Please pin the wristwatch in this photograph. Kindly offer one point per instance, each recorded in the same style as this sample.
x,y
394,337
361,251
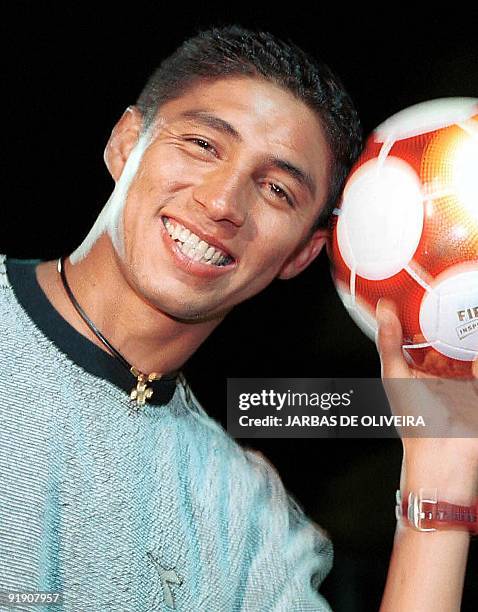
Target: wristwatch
x,y
425,512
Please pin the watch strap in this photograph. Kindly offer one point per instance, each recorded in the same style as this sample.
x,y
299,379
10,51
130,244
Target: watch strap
x,y
425,512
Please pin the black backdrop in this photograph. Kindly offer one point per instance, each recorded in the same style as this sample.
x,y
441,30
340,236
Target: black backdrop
x,y
69,72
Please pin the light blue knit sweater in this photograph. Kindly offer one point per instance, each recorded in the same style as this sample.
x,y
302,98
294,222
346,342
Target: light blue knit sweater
x,y
117,511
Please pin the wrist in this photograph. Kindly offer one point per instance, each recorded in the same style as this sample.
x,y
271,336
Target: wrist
x,y
449,464
437,464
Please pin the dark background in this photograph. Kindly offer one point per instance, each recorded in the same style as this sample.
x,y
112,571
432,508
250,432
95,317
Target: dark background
x,y
68,74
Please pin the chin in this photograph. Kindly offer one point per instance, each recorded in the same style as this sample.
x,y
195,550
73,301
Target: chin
x,y
184,310
174,298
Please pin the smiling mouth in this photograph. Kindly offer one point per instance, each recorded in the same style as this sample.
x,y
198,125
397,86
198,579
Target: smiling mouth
x,y
194,247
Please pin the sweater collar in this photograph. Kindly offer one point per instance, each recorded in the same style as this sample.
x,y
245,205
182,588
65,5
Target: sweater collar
x,y
83,352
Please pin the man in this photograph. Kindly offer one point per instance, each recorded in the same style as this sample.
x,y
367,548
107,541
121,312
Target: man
x,y
118,491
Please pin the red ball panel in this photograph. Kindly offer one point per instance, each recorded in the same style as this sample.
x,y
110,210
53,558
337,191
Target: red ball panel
x,y
449,237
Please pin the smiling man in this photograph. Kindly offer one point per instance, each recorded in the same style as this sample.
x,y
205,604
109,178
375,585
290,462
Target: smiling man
x,y
118,491
225,171
213,200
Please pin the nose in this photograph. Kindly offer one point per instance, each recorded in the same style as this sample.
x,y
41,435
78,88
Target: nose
x,y
222,193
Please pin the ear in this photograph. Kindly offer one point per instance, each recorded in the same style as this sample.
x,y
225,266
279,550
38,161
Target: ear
x,y
304,255
122,141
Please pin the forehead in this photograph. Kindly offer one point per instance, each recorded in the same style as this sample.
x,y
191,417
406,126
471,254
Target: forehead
x,y
267,118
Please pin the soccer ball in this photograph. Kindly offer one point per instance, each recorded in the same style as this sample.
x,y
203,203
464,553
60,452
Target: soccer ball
x,y
407,229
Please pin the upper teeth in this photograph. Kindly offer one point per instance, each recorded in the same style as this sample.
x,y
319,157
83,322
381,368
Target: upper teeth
x,y
195,248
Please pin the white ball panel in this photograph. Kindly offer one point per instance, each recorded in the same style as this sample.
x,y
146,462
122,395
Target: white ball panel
x,y
449,316
381,218
464,170
426,117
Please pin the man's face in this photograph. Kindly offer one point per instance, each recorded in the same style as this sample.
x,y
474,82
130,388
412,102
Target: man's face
x,y
224,197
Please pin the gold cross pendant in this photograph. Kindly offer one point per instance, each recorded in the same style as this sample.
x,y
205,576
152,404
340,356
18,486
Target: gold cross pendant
x,y
142,392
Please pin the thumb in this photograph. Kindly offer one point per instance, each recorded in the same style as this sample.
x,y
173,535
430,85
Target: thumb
x,y
389,341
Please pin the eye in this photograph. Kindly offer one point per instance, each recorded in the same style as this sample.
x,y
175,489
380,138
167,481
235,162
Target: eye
x,y
281,194
202,144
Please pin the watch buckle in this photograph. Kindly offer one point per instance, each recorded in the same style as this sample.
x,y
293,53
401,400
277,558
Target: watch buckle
x,y
416,514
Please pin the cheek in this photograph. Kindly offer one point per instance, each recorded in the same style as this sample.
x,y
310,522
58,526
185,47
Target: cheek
x,y
275,242
152,186
267,260
170,171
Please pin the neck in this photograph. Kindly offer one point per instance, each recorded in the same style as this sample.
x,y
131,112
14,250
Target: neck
x,y
146,337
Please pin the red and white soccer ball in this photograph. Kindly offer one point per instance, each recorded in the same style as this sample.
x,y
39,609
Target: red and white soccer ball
x,y
407,229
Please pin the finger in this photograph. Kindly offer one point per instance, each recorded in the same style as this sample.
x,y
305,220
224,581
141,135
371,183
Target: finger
x,y
389,341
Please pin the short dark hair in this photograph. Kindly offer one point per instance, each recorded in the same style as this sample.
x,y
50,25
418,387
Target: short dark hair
x,y
229,51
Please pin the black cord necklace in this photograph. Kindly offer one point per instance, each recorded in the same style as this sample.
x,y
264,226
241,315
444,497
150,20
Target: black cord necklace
x,y
141,392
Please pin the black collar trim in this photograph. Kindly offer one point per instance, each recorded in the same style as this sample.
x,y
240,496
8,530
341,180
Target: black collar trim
x,y
22,276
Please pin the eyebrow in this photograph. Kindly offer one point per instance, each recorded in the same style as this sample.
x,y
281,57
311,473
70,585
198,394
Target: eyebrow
x,y
212,121
272,161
